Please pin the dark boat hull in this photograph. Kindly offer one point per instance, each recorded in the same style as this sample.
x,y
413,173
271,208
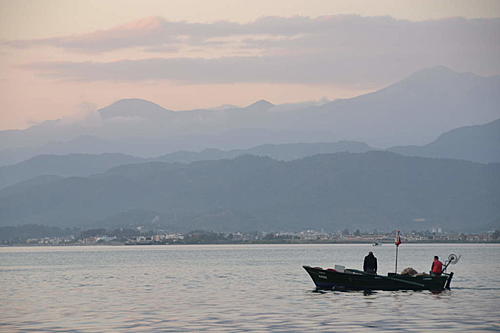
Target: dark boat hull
x,y
355,280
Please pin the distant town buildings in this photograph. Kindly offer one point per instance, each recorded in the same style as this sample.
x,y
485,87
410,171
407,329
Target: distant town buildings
x,y
140,237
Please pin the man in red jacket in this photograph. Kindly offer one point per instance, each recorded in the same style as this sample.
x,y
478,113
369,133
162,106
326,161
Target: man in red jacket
x,y
437,266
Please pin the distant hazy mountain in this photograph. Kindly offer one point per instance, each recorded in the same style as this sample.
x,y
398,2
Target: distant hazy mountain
x,y
418,108
62,165
413,111
479,143
261,105
284,152
333,191
88,164
134,107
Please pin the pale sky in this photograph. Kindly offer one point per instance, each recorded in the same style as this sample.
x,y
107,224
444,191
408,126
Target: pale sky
x,y
62,58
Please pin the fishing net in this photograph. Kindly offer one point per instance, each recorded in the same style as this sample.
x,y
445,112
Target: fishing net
x,y
409,271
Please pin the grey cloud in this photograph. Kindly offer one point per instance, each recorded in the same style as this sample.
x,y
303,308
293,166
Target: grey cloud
x,y
359,71
155,32
361,51
273,69
339,30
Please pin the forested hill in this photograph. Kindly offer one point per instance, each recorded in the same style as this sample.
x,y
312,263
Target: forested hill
x,y
331,191
480,143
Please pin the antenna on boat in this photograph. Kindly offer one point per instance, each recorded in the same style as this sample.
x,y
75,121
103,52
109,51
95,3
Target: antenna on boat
x,y
397,242
452,260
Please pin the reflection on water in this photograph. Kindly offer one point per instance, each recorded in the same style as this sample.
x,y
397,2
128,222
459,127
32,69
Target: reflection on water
x,y
236,288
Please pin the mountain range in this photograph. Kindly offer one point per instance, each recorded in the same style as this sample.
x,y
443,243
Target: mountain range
x,y
89,164
479,143
413,111
330,191
309,165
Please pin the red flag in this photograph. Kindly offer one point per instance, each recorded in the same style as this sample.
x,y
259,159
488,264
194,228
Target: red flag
x,y
398,239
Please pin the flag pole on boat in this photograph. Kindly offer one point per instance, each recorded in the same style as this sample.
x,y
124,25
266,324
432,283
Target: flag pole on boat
x,y
397,242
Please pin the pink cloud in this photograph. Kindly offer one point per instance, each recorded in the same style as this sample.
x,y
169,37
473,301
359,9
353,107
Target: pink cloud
x,y
147,31
343,49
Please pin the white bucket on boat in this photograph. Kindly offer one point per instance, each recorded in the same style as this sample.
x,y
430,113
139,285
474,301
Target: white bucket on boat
x,y
340,268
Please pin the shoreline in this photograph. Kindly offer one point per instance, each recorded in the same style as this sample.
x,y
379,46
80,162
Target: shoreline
x,y
248,243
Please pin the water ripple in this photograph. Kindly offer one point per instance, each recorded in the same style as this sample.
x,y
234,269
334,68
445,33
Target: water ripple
x,y
257,288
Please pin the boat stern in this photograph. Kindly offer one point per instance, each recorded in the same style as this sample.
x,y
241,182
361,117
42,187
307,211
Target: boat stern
x,y
448,281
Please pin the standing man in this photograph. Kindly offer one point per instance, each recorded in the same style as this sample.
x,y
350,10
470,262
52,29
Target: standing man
x,y
370,263
437,266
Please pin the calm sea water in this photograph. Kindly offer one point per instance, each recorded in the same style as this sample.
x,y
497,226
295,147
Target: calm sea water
x,y
236,288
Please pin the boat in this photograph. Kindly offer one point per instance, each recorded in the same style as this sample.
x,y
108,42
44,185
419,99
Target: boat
x,y
352,279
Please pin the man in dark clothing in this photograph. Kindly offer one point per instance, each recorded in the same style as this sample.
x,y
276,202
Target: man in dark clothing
x,y
370,263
